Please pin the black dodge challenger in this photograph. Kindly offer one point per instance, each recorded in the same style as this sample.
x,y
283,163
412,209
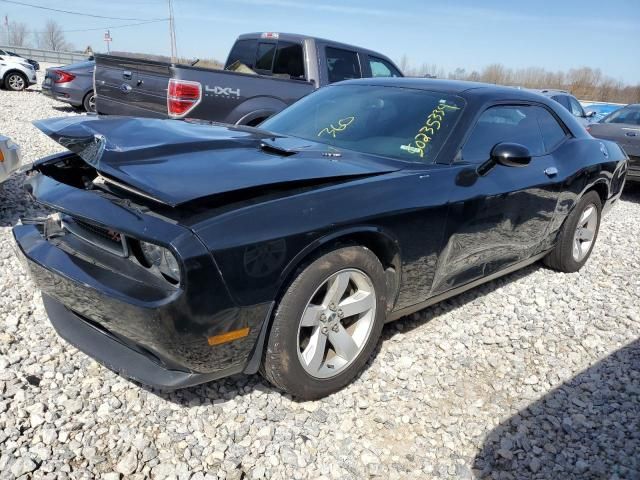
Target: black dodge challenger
x,y
183,252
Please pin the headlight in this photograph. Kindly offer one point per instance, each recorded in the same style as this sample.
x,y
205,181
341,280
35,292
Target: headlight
x,y
162,259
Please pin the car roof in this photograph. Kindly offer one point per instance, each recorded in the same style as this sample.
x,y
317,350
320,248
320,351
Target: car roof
x,y
549,92
452,87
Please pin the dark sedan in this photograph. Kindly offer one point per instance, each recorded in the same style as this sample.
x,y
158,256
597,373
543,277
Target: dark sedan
x,y
184,252
72,84
623,126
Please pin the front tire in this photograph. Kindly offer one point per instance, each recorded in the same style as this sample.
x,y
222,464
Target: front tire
x,y
578,235
16,82
327,324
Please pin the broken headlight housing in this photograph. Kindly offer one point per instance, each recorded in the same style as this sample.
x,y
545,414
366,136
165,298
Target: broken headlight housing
x,y
162,259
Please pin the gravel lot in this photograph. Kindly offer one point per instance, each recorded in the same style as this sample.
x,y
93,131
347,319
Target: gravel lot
x,y
534,375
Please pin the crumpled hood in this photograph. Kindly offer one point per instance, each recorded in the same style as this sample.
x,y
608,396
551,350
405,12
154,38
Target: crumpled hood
x,y
176,162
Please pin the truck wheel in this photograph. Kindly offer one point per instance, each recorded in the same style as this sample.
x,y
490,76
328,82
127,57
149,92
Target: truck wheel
x,y
15,82
89,102
327,324
578,235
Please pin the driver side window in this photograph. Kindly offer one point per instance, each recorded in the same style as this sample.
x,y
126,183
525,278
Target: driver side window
x,y
512,124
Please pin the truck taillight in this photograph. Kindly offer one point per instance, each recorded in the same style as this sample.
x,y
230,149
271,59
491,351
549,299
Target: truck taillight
x,y
182,97
63,77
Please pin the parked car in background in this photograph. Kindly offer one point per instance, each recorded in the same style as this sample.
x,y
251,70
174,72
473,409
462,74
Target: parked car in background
x,y
36,65
569,102
264,73
15,72
9,157
601,110
71,84
623,127
182,252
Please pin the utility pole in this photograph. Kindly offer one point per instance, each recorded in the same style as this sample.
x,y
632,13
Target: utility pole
x,y
172,33
6,24
108,40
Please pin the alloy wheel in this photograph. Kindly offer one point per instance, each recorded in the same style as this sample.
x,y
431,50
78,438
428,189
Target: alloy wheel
x,y
16,82
92,103
336,323
585,232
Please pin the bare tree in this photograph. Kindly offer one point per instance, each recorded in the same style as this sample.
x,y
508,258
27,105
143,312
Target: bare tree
x,y
52,38
18,34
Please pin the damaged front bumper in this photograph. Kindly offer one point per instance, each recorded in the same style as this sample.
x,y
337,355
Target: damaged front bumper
x,y
125,317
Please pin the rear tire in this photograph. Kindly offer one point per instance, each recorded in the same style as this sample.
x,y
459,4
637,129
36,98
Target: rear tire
x,y
89,102
15,81
327,324
578,235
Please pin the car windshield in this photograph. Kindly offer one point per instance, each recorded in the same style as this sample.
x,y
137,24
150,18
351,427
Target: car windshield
x,y
402,123
628,115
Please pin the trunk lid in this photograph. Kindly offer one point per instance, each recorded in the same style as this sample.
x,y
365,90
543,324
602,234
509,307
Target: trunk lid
x,y
175,162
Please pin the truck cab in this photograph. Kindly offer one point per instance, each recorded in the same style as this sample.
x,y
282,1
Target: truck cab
x,y
264,73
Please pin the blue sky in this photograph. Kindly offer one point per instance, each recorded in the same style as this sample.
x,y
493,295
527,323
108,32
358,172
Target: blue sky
x,y
559,34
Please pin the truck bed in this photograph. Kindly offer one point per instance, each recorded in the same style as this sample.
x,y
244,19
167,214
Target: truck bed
x,y
138,87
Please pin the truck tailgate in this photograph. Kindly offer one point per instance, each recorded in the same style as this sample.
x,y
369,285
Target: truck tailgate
x,y
131,86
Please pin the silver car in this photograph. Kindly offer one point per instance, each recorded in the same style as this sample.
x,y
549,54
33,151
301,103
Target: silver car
x,y
72,84
623,127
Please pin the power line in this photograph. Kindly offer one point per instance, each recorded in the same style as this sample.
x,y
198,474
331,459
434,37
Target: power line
x,y
23,4
101,28
111,28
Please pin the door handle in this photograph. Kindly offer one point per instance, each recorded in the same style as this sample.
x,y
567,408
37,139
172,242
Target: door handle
x,y
551,171
631,134
126,75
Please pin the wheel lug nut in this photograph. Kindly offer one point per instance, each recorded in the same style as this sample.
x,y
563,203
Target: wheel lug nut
x,y
323,318
335,328
340,313
325,330
332,307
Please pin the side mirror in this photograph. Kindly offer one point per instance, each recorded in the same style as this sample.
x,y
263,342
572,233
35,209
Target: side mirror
x,y
511,155
589,114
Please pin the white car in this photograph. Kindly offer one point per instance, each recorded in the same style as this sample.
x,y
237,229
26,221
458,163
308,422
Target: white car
x,y
15,72
9,157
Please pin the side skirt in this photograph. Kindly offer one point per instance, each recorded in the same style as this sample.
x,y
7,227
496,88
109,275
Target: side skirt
x,y
455,291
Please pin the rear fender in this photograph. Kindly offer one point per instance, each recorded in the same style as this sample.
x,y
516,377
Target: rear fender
x,y
255,108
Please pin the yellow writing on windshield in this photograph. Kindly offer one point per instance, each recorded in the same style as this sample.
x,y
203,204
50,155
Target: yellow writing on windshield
x,y
431,125
343,123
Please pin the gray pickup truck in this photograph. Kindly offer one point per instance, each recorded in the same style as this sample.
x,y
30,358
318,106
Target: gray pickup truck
x,y
265,72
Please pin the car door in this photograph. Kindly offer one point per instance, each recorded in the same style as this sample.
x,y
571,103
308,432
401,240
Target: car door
x,y
500,216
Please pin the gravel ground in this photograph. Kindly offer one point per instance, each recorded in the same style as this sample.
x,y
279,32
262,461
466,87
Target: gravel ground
x,y
533,375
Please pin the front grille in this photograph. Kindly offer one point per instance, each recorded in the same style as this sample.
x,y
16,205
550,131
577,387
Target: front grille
x,y
96,235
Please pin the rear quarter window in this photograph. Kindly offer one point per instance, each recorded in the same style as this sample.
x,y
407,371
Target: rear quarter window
x,y
552,132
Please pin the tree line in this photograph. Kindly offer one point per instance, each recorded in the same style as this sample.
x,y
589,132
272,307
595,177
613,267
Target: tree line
x,y
51,37
585,83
